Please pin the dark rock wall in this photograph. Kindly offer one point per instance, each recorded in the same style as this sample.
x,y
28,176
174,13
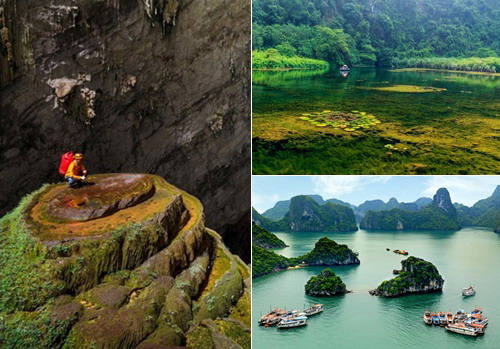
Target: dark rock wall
x,y
159,86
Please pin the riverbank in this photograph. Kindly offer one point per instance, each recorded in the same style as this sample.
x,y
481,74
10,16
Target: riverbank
x,y
486,65
272,59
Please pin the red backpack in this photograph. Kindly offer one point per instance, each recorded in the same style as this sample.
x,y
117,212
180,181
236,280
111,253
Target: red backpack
x,y
66,159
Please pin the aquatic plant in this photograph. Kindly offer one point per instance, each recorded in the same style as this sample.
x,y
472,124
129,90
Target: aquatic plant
x,y
403,88
349,122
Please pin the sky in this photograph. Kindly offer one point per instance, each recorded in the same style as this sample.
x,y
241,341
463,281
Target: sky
x,y
467,190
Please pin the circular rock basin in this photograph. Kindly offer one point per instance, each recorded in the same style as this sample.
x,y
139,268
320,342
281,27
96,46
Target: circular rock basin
x,y
106,203
100,198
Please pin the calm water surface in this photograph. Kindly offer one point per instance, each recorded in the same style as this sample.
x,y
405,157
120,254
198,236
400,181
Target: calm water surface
x,y
302,91
358,320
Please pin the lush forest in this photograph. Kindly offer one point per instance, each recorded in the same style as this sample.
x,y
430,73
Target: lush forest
x,y
383,32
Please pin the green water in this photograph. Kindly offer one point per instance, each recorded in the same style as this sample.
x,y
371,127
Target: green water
x,y
359,320
287,94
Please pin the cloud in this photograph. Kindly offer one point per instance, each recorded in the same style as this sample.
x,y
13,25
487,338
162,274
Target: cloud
x,y
466,190
334,186
263,202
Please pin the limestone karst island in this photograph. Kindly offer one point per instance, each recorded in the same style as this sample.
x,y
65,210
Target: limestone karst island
x,y
125,261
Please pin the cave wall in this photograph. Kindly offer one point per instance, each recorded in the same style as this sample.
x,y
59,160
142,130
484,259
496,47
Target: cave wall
x,y
157,86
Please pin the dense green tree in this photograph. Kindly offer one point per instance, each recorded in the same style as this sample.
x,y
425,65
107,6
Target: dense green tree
x,y
381,32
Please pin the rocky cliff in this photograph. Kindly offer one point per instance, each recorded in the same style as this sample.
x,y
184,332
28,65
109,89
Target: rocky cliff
x,y
485,212
306,215
438,215
123,262
416,276
329,252
158,86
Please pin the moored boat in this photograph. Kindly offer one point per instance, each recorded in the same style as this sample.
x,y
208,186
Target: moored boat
x,y
442,319
292,322
449,317
469,291
427,318
464,329
272,318
313,310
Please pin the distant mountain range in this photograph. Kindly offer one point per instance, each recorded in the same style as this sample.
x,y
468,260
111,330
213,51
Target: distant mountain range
x,y
279,210
313,213
440,214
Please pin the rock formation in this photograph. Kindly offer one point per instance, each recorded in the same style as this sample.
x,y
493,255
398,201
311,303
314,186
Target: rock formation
x,y
438,215
485,212
265,239
416,276
329,252
123,262
326,284
326,252
158,86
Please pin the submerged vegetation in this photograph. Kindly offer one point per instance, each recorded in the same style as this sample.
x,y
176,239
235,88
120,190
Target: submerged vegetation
x,y
346,121
273,59
404,88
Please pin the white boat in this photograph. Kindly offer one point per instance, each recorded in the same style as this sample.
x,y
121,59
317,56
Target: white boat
x,y
469,291
293,322
427,318
315,309
464,329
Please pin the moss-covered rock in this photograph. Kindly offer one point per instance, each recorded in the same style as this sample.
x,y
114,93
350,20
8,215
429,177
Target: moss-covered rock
x,y
141,275
416,276
326,284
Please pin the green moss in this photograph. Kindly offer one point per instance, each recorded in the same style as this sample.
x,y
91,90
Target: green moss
x,y
235,331
26,280
200,338
352,121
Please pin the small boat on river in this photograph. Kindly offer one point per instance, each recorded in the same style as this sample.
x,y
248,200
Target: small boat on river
x,y
469,291
344,68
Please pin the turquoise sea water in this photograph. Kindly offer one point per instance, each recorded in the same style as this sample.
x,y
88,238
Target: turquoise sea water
x,y
359,320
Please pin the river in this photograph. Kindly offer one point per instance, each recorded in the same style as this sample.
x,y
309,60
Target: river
x,y
356,320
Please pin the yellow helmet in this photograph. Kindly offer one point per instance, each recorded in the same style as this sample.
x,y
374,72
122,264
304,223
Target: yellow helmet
x,y
78,156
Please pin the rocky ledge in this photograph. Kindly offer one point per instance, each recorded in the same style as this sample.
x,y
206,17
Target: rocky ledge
x,y
416,276
326,284
123,262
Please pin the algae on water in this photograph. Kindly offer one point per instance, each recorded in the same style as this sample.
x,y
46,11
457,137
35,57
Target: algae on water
x,y
347,121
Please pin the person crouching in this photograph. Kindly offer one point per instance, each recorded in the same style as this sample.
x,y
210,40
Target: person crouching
x,y
76,172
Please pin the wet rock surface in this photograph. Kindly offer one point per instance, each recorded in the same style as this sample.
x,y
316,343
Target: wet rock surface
x,y
157,86
99,198
117,283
